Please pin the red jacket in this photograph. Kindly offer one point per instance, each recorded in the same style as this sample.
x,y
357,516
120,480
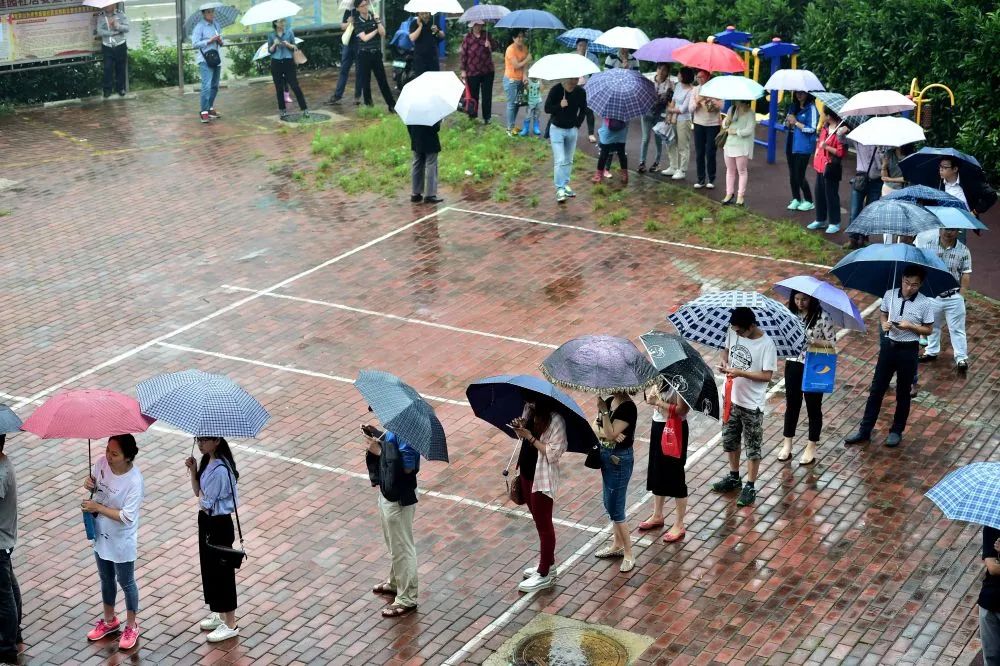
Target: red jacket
x,y
822,158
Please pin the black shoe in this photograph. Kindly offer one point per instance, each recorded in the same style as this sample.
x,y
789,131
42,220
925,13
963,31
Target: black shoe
x,y
121,93
927,358
893,440
416,198
857,438
962,367
357,101
333,101
433,200
727,484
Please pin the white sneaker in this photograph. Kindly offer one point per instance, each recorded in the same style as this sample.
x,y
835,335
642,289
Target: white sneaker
x,y
679,175
536,582
667,172
710,185
532,571
211,622
223,633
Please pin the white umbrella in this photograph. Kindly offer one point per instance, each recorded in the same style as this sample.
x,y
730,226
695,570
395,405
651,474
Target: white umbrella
x,y
793,80
271,10
100,4
429,98
876,103
263,52
623,38
562,66
433,6
887,131
732,88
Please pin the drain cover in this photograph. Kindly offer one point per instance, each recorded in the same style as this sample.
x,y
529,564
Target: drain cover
x,y
570,647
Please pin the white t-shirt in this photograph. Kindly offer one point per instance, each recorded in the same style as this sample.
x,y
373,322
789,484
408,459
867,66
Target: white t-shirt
x,y
758,355
117,541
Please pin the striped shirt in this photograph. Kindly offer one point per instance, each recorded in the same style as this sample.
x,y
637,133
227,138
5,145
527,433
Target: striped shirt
x,y
916,310
957,258
547,468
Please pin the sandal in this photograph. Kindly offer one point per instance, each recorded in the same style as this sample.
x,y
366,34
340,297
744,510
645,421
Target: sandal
x,y
610,552
807,463
785,458
397,610
650,525
627,565
384,588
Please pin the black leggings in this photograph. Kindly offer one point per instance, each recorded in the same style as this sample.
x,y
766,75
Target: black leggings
x,y
793,402
604,160
283,73
797,176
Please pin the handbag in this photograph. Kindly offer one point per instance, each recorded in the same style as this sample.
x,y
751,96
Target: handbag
x,y
667,131
819,373
469,104
224,555
212,57
345,39
860,182
727,400
720,139
514,492
670,441
593,459
299,57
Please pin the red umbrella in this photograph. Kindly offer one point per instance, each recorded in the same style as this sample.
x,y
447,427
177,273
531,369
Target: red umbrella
x,y
708,56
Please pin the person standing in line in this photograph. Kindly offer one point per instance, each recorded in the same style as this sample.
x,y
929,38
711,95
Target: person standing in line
x,y
949,306
583,49
532,108
803,122
891,173
868,176
348,55
749,360
665,475
707,120
829,165
425,36
906,314
116,499
214,482
478,70
566,105
516,60
989,598
664,91
621,59
615,429
679,113
10,591
369,29
738,151
281,44
613,135
425,145
112,26
206,39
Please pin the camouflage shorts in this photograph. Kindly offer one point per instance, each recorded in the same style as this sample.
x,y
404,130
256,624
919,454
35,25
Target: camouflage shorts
x,y
745,423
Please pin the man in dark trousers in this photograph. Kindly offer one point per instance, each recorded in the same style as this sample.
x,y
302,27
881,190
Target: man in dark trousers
x,y
906,315
10,592
348,54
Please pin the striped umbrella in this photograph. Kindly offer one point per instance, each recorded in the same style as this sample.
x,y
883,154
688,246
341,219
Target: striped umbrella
x,y
202,404
926,196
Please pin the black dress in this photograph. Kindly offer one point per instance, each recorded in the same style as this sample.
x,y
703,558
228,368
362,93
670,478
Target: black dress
x,y
665,475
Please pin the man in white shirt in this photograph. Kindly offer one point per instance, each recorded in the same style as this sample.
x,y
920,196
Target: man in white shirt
x,y
749,359
949,306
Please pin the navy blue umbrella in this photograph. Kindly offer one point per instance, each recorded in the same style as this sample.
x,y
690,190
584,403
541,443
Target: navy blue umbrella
x,y
530,19
9,421
500,399
400,409
922,166
621,94
878,268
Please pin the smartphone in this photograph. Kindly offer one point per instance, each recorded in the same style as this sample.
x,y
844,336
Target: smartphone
x,y
368,431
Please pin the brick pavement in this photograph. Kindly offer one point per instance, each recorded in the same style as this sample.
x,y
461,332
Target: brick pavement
x,y
117,244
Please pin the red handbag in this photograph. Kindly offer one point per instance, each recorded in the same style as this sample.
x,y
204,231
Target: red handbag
x,y
469,104
727,400
671,440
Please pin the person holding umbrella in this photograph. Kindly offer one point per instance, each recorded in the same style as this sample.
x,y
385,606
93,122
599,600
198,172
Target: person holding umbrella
x,y
739,129
707,120
369,29
615,428
425,36
112,26
281,45
516,59
566,105
679,114
583,48
802,121
425,145
206,39
10,591
665,475
476,60
664,91
828,163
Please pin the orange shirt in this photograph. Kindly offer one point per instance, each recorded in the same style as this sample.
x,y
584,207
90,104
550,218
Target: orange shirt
x,y
513,53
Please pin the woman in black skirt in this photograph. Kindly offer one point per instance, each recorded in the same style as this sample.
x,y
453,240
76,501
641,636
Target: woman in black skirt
x,y
665,476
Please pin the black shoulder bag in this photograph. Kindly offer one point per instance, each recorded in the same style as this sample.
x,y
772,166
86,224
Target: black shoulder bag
x,y
224,555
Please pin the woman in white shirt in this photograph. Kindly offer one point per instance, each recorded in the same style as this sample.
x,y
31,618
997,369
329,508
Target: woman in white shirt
x,y
665,474
739,128
116,497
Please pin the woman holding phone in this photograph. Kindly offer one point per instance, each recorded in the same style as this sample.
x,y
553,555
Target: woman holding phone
x,y
615,428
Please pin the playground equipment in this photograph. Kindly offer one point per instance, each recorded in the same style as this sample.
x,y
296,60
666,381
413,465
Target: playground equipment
x,y
922,115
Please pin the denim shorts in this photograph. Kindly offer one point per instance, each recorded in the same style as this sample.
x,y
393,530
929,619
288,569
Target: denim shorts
x,y
615,479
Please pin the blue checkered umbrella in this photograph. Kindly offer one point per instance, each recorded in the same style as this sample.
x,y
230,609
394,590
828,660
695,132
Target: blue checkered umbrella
x,y
900,218
925,196
622,94
570,37
225,15
706,320
202,404
401,410
9,421
970,493
601,364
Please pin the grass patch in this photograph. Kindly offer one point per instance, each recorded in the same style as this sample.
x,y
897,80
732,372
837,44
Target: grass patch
x,y
533,201
652,226
615,217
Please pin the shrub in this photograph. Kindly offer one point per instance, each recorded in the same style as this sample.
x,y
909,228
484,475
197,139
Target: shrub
x,y
154,65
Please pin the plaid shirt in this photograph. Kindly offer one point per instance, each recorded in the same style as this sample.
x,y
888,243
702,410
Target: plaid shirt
x,y
916,310
958,259
547,467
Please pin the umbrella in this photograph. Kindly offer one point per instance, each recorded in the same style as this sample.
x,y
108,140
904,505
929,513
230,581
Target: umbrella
x,y
877,268
500,399
660,50
706,320
562,66
732,88
100,4
922,166
887,131
684,369
401,409
9,421
833,301
483,13
794,80
263,52
900,218
956,218
225,15
710,57
970,493
571,36
621,37
530,19
433,6
601,364
835,102
622,94
270,10
876,103
429,98
926,196
202,404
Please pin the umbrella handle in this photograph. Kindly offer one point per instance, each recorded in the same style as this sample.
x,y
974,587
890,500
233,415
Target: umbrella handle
x,y
513,453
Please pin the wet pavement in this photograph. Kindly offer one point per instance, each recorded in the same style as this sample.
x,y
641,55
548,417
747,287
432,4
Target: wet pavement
x,y
138,241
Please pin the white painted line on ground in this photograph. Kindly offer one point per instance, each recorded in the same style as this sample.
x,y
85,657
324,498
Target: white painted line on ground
x,y
408,320
20,399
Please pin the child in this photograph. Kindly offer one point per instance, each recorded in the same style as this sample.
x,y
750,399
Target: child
x,y
533,107
426,145
612,135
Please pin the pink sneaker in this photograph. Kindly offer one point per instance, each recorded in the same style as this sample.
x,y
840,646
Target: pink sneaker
x,y
102,629
129,637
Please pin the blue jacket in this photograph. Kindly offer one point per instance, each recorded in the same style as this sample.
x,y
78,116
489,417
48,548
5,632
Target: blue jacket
x,y
804,140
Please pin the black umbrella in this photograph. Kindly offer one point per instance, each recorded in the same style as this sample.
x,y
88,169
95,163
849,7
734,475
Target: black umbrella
x,y
684,369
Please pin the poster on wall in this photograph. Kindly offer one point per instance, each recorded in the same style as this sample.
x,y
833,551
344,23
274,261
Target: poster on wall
x,y
39,30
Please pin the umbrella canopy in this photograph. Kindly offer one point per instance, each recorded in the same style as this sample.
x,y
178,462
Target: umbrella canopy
x,y
401,409
622,94
202,404
706,320
684,369
887,131
531,19
562,66
621,37
87,414
926,196
922,166
877,268
100,4
833,301
601,364
433,6
900,218
732,88
877,103
794,80
835,102
484,13
270,10
710,57
660,50
500,399
9,421
956,218
571,36
429,98
225,15
970,493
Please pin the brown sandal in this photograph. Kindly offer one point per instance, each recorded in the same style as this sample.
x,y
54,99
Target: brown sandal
x,y
384,588
397,610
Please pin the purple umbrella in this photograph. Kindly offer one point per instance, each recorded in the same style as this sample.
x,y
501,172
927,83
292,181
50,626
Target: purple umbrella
x,y
601,364
660,50
622,94
835,302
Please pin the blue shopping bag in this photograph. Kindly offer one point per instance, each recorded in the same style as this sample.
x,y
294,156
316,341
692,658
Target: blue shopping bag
x,y
820,372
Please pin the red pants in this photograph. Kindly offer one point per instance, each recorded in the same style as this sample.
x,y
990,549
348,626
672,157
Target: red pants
x,y
540,506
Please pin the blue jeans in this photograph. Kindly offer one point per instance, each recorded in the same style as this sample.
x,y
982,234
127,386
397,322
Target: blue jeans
x,y
647,129
347,57
209,85
510,89
10,609
563,149
615,479
125,573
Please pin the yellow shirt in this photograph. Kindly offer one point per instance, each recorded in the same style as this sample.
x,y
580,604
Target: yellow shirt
x,y
514,53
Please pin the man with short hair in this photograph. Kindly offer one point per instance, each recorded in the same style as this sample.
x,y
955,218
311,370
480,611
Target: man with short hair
x,y
749,359
906,314
10,592
950,305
